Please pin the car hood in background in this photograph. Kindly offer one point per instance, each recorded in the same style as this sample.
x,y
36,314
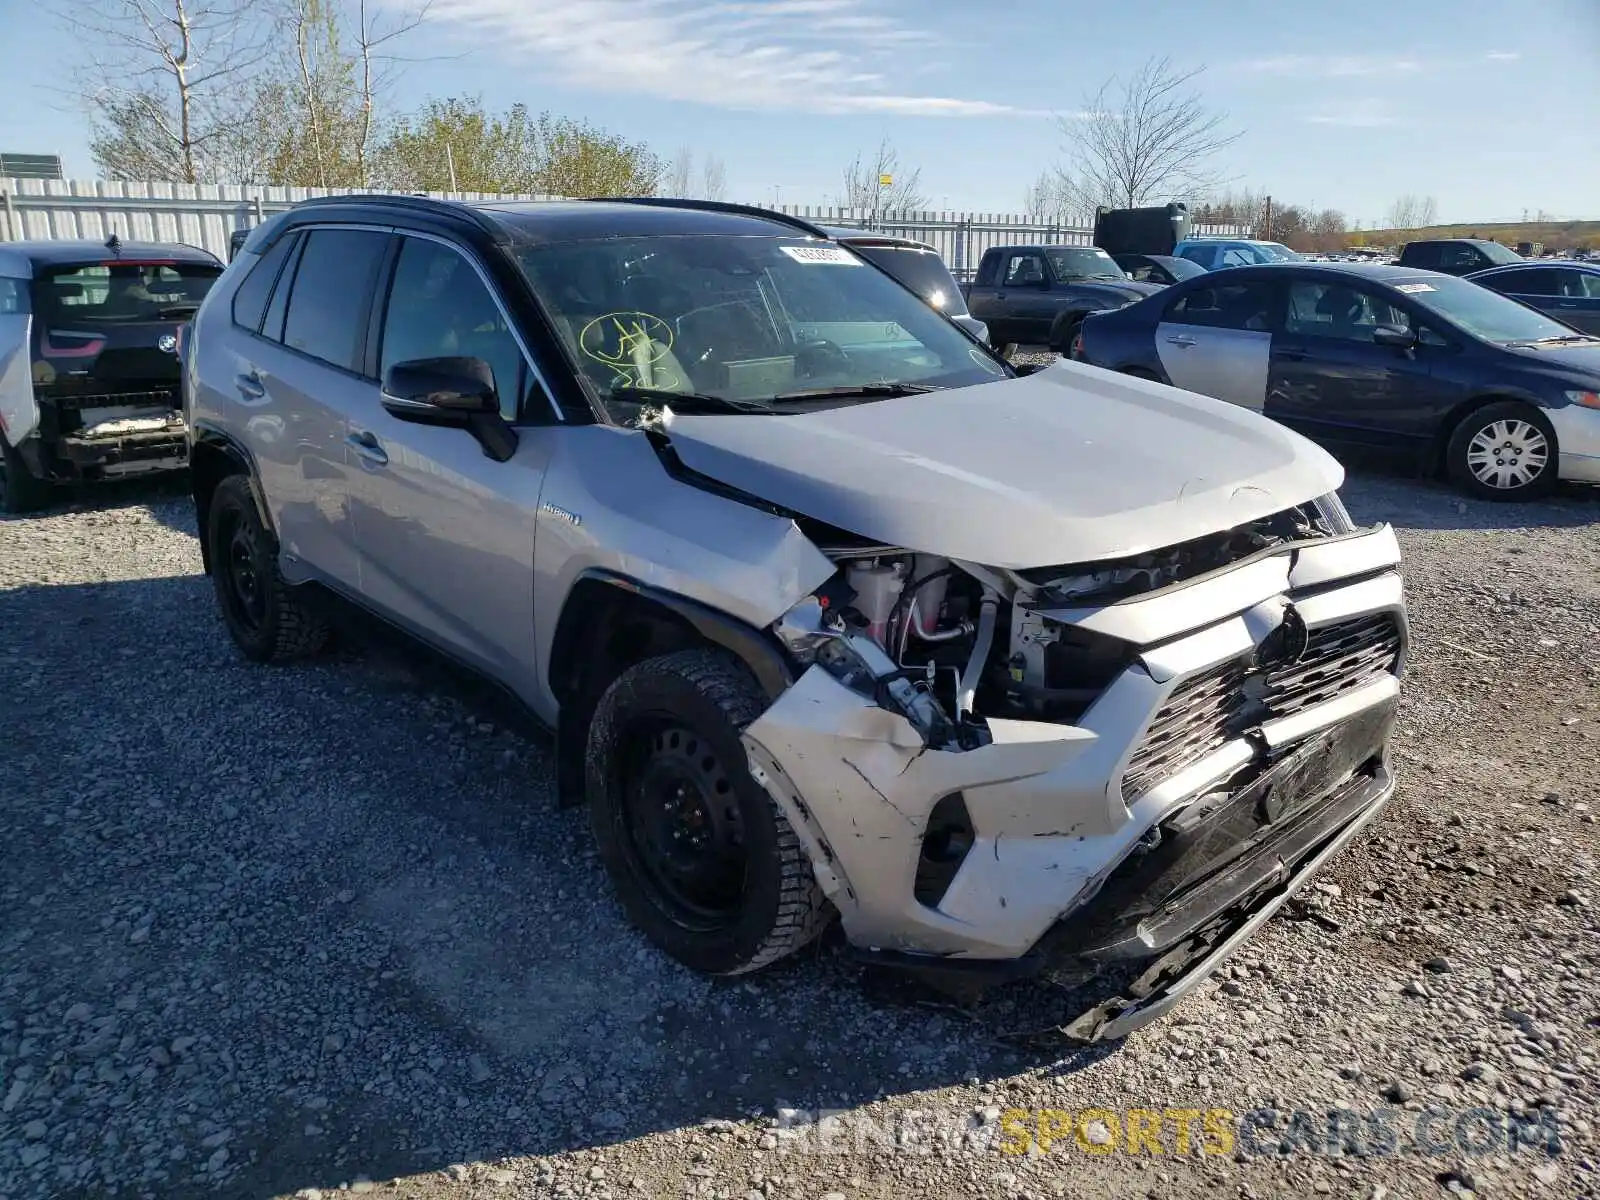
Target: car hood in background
x,y
1577,357
1072,464
1116,293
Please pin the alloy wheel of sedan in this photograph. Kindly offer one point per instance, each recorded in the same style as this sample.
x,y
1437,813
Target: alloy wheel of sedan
x,y
1508,454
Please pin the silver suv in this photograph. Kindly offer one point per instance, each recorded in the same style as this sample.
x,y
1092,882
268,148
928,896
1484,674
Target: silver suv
x,y
831,611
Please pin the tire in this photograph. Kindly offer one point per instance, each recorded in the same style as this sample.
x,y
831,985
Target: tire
x,y
267,619
1503,451
1063,331
20,491
666,778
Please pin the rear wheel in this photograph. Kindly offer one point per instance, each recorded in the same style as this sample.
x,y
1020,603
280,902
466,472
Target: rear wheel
x,y
268,620
703,861
1503,451
20,490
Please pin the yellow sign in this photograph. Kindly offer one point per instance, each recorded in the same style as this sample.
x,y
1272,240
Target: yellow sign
x,y
885,180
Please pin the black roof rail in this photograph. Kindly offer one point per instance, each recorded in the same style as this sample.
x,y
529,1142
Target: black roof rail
x,y
742,210
420,204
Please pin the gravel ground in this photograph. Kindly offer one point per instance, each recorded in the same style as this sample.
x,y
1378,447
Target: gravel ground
x,y
278,931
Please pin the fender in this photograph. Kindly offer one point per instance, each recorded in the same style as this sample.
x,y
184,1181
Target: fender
x,y
577,674
207,443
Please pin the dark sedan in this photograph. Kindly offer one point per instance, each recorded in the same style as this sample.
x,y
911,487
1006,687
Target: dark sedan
x,y
1158,268
1567,291
1504,398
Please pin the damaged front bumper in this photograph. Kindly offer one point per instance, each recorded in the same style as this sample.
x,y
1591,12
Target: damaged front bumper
x,y
1149,839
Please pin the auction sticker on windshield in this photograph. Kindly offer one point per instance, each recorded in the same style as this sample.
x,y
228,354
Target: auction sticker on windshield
x,y
1409,288
829,255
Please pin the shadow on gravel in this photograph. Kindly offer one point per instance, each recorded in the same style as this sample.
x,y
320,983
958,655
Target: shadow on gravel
x,y
166,495
329,918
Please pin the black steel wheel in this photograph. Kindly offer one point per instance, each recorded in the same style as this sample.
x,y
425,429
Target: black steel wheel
x,y
267,619
702,859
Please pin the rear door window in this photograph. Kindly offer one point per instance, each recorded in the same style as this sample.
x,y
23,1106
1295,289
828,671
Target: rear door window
x,y
250,298
1246,306
332,294
1525,283
1423,257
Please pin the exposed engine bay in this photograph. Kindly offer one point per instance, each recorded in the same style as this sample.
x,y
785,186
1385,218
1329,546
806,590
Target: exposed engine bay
x,y
984,643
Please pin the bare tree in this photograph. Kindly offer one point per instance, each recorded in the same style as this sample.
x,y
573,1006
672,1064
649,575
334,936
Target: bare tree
x,y
1410,212
1145,139
167,81
680,174
863,186
713,179
374,31
1054,198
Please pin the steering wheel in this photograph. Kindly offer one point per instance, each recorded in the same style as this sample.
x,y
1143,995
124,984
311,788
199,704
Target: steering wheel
x,y
814,358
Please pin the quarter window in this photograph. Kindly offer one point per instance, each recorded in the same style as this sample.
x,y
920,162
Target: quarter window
x,y
440,308
332,287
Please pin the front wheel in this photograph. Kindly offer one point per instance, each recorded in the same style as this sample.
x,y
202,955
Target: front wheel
x,y
704,862
1063,331
1503,451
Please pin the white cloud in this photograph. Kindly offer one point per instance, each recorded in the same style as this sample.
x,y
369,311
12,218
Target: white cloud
x,y
1360,114
825,56
1334,66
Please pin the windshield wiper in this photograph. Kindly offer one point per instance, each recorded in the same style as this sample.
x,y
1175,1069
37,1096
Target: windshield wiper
x,y
686,402
864,390
187,309
1109,275
1565,337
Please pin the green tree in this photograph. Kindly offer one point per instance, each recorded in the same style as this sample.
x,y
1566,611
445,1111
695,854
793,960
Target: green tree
x,y
456,144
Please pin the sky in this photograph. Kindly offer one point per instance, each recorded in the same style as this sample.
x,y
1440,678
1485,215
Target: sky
x,y
1491,106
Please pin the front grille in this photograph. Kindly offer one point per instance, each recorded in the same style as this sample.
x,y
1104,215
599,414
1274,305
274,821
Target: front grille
x,y
1338,658
1208,710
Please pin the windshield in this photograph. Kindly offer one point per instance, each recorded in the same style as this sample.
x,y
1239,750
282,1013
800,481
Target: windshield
x,y
742,321
1270,252
1181,268
122,292
1488,315
923,271
1083,262
1498,254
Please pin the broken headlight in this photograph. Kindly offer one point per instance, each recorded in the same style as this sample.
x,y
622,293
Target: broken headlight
x,y
817,634
1333,514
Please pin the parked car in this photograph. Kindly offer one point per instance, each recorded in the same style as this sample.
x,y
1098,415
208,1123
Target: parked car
x,y
817,632
1038,295
1504,398
88,360
1456,256
918,266
1567,291
1214,253
1158,268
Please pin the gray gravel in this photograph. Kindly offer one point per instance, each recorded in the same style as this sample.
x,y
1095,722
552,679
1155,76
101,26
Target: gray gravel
x,y
295,930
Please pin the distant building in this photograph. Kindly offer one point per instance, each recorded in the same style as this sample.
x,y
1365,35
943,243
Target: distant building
x,y
30,166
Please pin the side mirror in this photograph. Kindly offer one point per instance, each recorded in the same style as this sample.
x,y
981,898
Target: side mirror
x,y
458,393
1394,336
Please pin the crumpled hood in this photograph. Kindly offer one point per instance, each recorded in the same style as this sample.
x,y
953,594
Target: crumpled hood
x,y
1071,464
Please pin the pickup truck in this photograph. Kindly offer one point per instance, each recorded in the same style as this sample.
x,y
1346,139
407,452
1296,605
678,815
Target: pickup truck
x,y
1039,295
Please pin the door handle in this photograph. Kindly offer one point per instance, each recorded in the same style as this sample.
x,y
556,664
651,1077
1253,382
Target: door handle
x,y
1567,304
367,446
250,385
1180,340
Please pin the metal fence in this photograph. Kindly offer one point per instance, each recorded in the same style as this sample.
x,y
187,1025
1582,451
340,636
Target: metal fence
x,y
205,214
